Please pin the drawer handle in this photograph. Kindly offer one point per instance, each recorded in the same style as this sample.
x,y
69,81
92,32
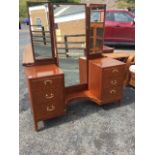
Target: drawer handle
x,y
48,81
112,91
50,108
49,96
113,82
115,70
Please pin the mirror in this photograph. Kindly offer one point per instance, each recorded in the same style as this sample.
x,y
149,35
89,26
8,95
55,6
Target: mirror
x,y
40,31
96,28
70,29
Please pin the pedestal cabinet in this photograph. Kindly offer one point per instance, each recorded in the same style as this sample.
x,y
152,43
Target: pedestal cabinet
x,y
46,89
106,76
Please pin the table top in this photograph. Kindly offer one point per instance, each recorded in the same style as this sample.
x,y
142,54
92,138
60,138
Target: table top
x,y
40,71
106,62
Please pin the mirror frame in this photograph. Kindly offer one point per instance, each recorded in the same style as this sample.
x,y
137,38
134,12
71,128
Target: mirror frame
x,y
79,86
97,54
54,59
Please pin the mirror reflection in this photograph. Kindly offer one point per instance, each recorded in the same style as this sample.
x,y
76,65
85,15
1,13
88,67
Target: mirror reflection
x,y
96,29
39,25
70,30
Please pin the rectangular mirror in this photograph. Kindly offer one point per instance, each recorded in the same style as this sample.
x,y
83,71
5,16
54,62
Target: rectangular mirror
x,y
96,28
40,30
70,29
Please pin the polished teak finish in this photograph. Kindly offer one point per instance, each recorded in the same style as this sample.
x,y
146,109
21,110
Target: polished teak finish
x,y
46,89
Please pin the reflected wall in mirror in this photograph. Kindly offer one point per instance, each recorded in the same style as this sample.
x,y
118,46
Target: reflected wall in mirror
x,y
70,28
40,30
96,30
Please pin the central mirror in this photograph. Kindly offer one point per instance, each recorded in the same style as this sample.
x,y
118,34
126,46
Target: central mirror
x,y
70,29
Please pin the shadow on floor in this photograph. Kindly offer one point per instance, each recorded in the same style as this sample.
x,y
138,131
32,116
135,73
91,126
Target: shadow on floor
x,y
78,110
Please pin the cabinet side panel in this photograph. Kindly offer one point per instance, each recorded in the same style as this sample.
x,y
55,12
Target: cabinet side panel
x,y
30,98
95,80
83,70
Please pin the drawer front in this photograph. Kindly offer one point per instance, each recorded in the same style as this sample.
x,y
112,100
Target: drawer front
x,y
48,110
112,82
112,94
45,83
52,95
114,71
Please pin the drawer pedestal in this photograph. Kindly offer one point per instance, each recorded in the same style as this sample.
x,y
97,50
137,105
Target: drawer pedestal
x,y
106,76
46,90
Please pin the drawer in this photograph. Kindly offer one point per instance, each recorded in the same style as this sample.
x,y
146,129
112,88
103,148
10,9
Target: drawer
x,y
112,94
45,83
112,82
114,71
48,110
54,95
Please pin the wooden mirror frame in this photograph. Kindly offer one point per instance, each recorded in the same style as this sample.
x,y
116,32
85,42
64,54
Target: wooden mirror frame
x,y
89,54
80,86
54,58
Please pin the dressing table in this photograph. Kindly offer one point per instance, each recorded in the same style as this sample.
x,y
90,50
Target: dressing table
x,y
100,78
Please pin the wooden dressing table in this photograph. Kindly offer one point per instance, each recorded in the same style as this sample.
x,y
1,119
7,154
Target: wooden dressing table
x,y
101,78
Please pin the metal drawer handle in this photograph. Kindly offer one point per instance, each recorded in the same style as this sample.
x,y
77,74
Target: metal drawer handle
x,y
49,96
48,81
50,108
115,70
113,82
112,91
